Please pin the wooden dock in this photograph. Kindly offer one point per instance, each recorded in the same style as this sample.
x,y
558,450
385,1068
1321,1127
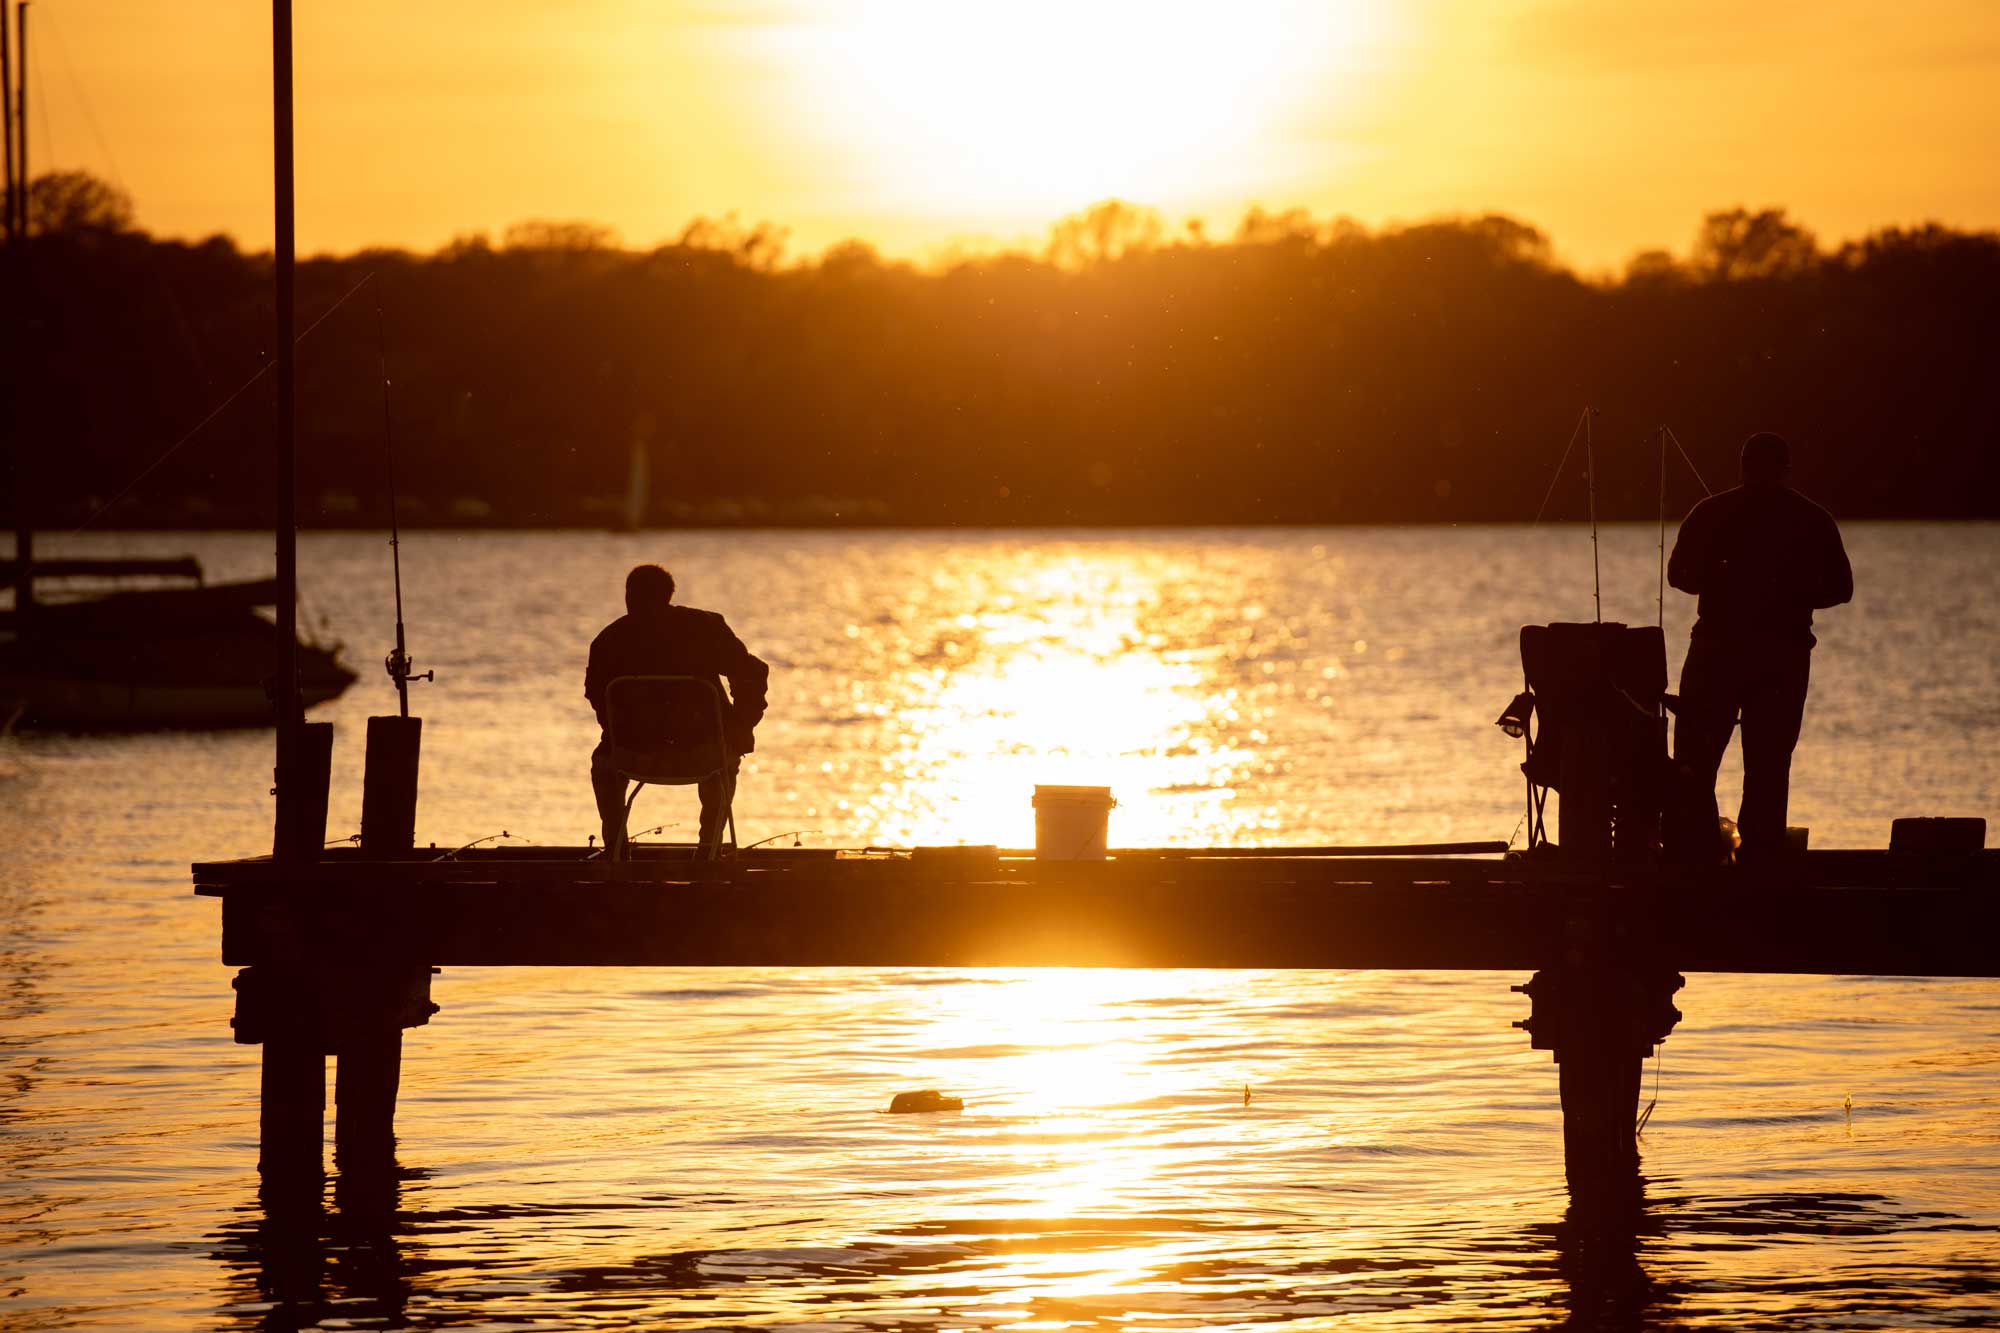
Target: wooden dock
x,y
1828,912
337,954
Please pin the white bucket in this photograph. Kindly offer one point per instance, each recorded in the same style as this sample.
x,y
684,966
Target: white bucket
x,y
1071,823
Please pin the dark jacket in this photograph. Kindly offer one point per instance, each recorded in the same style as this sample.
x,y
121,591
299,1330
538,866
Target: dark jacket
x,y
1762,560
682,641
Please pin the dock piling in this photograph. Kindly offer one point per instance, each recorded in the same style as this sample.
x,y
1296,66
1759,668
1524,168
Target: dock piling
x,y
1601,1016
369,1009
304,1010
389,785
338,953
291,1123
371,1005
368,1070
300,830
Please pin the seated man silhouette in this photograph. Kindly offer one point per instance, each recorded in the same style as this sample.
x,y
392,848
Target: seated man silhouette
x,y
1762,558
656,638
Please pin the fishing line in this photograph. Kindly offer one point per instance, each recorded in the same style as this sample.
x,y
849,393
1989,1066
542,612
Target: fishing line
x,y
1705,489
1659,1059
1559,468
220,408
54,33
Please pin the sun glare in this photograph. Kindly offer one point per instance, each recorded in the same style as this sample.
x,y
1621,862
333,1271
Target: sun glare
x,y
1033,107
1064,679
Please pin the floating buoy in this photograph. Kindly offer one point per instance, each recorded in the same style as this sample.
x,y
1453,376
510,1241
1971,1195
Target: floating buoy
x,y
930,1099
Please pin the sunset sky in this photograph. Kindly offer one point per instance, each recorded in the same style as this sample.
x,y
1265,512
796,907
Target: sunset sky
x,y
920,125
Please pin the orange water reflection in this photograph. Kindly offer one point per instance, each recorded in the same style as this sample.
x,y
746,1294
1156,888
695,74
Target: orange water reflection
x,y
611,1149
1069,675
1079,1120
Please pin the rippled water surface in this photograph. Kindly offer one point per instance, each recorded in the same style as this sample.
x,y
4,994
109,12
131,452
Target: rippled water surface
x,y
654,1148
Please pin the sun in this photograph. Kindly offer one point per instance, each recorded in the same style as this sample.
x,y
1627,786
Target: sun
x,y
1029,108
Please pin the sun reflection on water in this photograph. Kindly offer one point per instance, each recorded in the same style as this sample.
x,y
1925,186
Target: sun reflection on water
x,y
1068,676
606,1149
1070,1115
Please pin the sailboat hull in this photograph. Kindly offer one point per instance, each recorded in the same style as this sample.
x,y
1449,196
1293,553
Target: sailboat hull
x,y
139,705
174,658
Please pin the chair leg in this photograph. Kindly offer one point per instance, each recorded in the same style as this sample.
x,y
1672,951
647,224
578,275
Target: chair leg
x,y
624,852
710,846
728,816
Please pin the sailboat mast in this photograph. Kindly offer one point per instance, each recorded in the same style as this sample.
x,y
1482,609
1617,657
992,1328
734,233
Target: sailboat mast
x,y
285,692
17,264
7,108
21,175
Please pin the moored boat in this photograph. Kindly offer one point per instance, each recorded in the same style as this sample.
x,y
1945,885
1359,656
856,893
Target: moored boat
x,y
195,655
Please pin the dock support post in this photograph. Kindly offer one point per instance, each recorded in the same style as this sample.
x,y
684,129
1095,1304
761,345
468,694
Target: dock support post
x,y
276,1011
1598,1074
291,1120
1601,1013
378,1003
309,1010
365,1027
389,786
301,827
368,1072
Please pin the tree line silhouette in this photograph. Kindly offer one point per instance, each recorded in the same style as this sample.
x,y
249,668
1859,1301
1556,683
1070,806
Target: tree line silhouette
x,y
1299,370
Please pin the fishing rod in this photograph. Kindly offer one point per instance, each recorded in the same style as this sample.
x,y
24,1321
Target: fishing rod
x,y
1582,428
1662,621
1590,476
1666,435
1561,463
793,834
398,664
453,854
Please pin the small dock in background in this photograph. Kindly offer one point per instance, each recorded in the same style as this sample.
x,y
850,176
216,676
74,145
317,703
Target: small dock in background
x,y
338,953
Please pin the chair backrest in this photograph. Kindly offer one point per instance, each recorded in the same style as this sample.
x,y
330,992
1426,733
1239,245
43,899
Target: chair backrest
x,y
1574,668
666,729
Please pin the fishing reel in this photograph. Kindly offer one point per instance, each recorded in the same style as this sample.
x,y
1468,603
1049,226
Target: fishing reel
x,y
402,670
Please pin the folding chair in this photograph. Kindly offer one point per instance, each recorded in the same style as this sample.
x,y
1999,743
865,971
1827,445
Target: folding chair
x,y
1597,692
668,731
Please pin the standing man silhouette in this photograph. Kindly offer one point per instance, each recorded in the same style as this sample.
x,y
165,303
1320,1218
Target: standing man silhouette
x,y
1762,558
656,638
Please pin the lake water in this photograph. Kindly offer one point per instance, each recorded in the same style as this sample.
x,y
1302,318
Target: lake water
x,y
687,1149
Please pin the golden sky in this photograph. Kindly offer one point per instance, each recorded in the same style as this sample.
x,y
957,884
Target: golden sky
x,y
920,124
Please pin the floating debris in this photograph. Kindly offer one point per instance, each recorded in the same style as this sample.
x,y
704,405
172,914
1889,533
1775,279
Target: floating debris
x,y
930,1099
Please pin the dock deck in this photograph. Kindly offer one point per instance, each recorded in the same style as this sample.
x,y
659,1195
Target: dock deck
x,y
1826,912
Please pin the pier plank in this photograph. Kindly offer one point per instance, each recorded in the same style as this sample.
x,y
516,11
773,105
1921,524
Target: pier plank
x,y
1840,912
